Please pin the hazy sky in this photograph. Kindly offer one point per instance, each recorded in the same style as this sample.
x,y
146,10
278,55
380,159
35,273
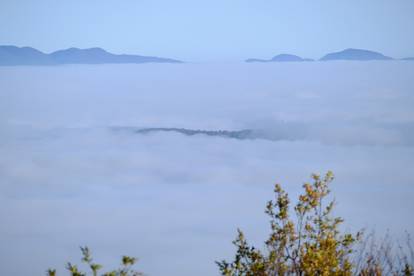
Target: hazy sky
x,y
213,29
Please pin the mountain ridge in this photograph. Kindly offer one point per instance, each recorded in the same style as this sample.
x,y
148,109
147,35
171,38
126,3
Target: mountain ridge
x,y
12,55
351,54
355,54
281,58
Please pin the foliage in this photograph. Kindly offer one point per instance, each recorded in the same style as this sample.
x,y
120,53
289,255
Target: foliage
x,y
124,270
310,244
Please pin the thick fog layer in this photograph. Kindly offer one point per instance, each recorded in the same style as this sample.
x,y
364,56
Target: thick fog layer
x,y
69,177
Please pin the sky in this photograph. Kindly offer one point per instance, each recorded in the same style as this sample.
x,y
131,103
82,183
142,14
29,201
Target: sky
x,y
213,30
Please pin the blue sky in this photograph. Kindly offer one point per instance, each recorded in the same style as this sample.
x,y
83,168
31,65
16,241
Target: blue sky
x,y
211,30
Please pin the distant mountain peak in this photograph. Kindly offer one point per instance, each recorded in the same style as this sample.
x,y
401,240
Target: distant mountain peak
x,y
12,55
281,58
287,57
15,48
355,54
75,49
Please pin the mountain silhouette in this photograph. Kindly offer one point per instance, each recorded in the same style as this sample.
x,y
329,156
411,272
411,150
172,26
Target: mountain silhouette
x,y
12,55
281,58
355,54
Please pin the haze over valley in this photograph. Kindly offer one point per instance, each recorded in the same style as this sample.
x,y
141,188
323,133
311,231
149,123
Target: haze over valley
x,y
160,161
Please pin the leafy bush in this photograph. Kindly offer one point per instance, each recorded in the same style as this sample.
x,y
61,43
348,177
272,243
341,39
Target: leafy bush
x,y
124,270
312,243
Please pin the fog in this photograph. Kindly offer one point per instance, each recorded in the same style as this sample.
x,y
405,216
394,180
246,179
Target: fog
x,y
68,179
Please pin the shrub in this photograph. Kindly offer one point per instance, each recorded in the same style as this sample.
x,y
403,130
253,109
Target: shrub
x,y
309,244
124,270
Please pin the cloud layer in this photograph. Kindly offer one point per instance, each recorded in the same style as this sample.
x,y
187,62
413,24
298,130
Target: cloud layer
x,y
67,179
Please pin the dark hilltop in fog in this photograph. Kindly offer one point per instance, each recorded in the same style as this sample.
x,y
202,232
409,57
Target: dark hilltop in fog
x,y
236,134
12,55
